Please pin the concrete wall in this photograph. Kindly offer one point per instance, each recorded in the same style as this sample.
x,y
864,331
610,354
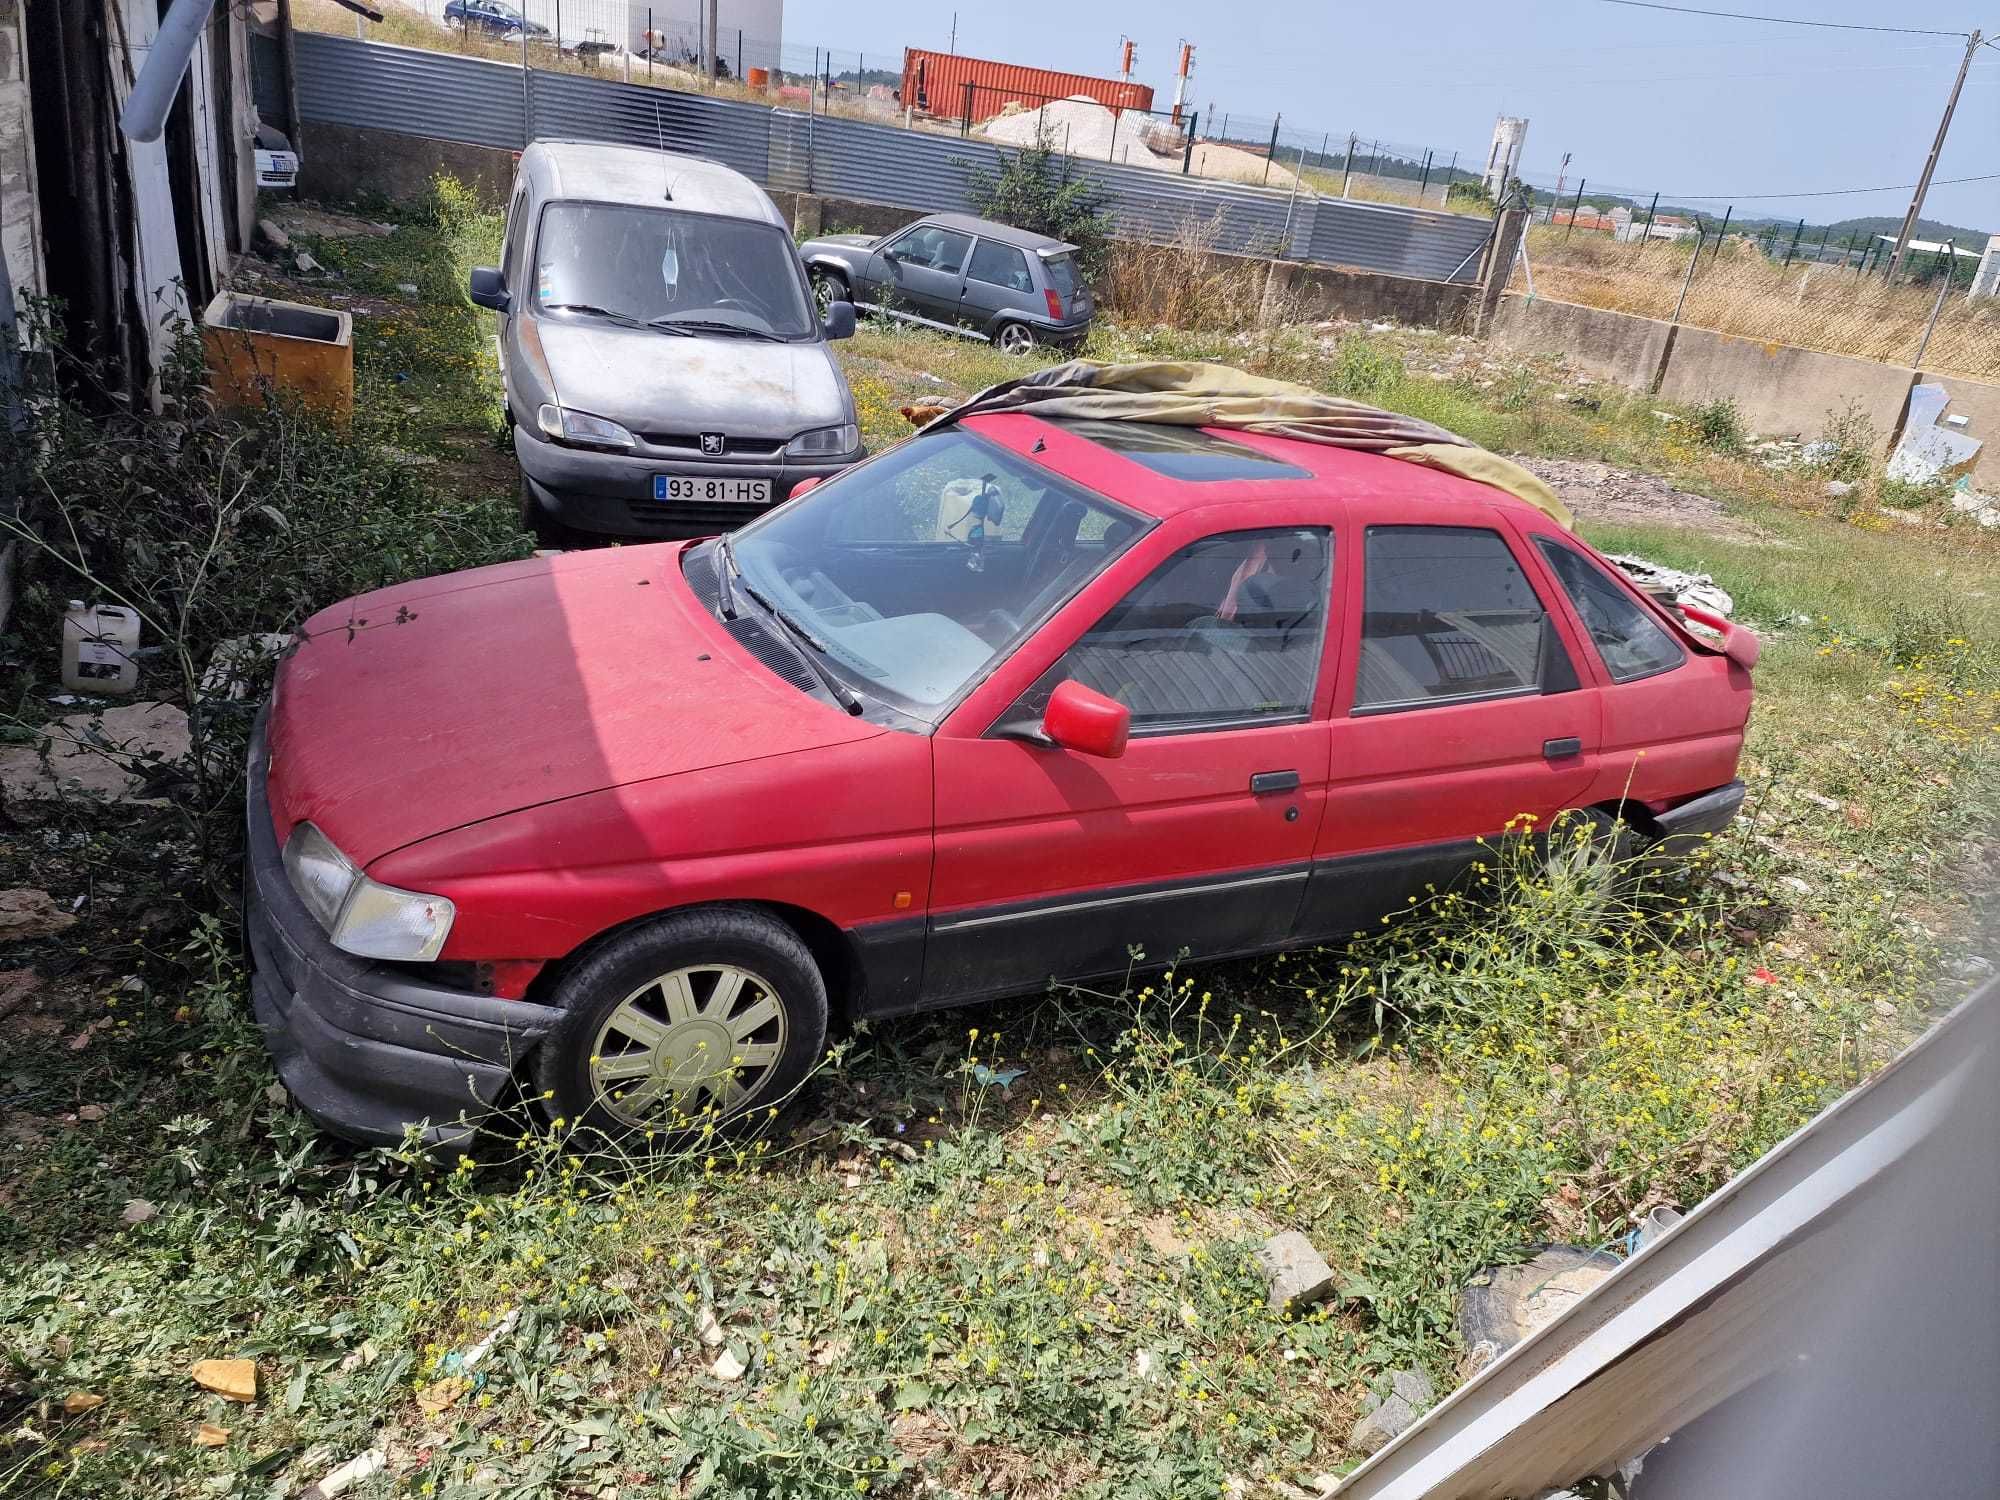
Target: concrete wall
x,y
1608,345
1309,293
1780,389
342,161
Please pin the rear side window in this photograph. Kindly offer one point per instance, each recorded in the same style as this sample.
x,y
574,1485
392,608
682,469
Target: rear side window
x,y
1061,271
1631,642
1000,265
1448,615
1224,634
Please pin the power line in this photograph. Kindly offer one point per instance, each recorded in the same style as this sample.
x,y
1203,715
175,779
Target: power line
x,y
1893,187
1732,15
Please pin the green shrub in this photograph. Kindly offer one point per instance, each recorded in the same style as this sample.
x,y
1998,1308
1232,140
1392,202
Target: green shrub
x,y
1717,425
1035,190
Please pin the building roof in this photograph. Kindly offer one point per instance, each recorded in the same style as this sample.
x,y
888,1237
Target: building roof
x,y
642,175
1932,247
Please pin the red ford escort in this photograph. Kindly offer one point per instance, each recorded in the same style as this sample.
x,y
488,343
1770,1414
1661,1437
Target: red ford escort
x,y
626,827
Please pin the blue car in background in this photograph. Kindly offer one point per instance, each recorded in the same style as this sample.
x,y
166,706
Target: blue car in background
x,y
491,16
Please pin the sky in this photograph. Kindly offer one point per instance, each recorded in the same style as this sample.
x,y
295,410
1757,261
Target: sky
x,y
1696,107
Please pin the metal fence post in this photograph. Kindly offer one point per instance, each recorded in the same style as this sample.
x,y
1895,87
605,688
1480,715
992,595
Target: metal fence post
x,y
1688,280
1426,181
1187,152
1792,249
965,120
1111,151
1292,203
739,54
1722,231
649,42
1944,285
809,123
527,100
1646,233
1347,172
1276,121
1575,207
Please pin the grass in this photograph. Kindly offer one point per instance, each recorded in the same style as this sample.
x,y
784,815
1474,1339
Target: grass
x,y
1741,291
1003,1250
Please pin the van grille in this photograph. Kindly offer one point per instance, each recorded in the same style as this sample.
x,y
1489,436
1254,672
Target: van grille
x,y
670,519
732,447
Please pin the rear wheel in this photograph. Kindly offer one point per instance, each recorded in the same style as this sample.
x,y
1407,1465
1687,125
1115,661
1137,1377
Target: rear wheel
x,y
708,1017
1015,338
829,287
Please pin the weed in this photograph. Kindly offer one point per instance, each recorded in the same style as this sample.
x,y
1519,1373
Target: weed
x,y
1365,371
1035,189
1850,441
1717,425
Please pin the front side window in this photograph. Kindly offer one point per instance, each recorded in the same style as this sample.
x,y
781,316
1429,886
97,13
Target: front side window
x,y
1447,614
933,247
921,569
677,272
1000,265
1631,642
1224,634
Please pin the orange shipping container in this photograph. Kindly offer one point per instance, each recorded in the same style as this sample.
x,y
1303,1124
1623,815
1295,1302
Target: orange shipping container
x,y
935,83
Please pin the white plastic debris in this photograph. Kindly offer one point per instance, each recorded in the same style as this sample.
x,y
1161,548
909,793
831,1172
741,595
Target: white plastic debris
x,y
1930,451
363,1466
1673,585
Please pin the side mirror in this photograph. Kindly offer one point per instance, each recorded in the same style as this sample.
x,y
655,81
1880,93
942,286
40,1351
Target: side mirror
x,y
489,288
805,484
892,255
1084,720
839,323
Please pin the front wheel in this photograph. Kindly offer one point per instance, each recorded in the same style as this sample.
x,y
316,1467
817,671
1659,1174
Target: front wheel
x,y
828,287
707,1017
1015,338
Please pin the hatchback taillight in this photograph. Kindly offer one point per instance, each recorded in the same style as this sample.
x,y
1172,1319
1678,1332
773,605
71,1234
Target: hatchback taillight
x,y
1055,303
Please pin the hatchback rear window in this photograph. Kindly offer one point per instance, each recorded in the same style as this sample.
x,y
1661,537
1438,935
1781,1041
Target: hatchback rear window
x,y
1185,453
1062,274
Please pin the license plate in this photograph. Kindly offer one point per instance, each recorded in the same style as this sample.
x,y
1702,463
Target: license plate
x,y
719,491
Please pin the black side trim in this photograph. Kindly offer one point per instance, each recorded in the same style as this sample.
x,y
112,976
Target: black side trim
x,y
1354,892
890,958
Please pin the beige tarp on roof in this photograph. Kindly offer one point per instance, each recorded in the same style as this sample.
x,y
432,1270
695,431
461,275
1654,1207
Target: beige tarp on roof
x,y
1188,394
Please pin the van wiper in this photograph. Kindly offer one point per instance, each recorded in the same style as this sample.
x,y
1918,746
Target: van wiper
x,y
672,324
593,310
800,636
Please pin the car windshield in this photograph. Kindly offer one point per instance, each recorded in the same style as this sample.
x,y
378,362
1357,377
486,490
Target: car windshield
x,y
921,569
1062,273
671,270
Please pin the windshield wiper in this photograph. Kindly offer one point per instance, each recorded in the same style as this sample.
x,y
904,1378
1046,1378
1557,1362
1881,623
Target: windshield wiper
x,y
800,636
725,584
672,324
593,310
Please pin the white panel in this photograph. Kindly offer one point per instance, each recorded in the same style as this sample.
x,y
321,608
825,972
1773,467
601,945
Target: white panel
x,y
157,274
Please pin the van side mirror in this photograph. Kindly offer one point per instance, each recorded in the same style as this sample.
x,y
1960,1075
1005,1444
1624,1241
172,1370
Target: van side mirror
x,y
489,288
1084,720
839,323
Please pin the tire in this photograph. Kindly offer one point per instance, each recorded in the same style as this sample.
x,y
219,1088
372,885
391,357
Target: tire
x,y
1017,339
645,1013
549,534
828,287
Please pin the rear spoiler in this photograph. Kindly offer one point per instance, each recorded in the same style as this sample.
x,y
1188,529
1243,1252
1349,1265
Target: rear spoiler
x,y
1738,643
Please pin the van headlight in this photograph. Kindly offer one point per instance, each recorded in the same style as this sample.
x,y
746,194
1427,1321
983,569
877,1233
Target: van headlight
x,y
562,425
825,442
363,917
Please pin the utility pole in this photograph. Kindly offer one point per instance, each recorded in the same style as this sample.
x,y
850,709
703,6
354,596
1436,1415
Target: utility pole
x,y
1930,162
1562,174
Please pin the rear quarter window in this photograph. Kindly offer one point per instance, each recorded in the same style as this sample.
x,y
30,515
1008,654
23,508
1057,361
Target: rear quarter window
x,y
1629,641
1062,273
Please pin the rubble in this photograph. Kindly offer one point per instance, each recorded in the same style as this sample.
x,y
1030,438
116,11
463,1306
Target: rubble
x,y
1381,1424
1295,1271
1930,451
1671,585
103,753
28,913
1504,1304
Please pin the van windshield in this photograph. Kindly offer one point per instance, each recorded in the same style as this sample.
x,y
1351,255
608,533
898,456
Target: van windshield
x,y
670,270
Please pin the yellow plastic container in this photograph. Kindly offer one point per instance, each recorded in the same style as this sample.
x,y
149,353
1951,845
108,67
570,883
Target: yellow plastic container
x,y
259,347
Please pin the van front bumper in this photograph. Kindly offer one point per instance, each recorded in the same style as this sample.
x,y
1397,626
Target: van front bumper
x,y
611,494
366,1048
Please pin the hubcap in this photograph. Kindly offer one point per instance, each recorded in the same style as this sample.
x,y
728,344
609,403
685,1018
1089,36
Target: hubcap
x,y
823,295
1015,339
697,1043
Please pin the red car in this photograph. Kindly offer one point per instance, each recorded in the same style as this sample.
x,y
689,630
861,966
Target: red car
x,y
1017,696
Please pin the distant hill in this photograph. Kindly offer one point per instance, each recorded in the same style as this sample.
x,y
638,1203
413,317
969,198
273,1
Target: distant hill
x,y
1927,229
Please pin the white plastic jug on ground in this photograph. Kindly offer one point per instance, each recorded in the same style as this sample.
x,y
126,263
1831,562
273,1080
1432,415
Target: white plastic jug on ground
x,y
98,646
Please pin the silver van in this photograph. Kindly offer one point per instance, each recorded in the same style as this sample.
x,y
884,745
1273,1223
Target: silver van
x,y
666,369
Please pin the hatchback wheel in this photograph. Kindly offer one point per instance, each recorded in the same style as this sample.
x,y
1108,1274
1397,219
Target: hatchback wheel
x,y
1015,338
827,289
700,1018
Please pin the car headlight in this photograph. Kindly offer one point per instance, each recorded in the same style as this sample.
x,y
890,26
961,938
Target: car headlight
x,y
566,426
361,916
825,442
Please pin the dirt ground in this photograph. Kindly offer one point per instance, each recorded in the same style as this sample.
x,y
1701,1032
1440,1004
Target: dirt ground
x,y
1600,492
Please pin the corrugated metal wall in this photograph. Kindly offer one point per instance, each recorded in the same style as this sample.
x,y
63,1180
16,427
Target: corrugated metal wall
x,y
344,82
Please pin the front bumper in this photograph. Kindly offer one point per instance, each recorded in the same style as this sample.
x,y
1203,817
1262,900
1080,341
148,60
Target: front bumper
x,y
612,493
367,1048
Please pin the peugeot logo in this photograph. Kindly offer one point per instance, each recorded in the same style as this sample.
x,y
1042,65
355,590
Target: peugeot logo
x,y
711,442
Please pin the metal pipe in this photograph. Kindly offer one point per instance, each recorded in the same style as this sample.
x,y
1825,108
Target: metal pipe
x,y
1722,231
1347,172
1269,155
144,117
1574,208
1646,233
1693,260
1944,285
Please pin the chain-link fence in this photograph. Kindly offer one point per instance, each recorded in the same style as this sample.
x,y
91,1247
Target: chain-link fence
x,y
1780,284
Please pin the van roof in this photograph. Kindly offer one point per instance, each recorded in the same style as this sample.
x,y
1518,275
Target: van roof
x,y
641,175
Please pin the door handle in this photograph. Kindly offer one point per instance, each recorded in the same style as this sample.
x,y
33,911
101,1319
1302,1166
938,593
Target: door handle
x,y
1266,782
1561,749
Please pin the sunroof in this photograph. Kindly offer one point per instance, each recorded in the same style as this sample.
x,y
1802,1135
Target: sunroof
x,y
1185,453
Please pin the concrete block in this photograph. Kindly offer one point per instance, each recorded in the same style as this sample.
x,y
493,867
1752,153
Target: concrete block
x,y
1378,1428
1415,1387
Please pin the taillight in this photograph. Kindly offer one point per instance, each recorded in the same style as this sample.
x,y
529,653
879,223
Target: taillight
x,y
1055,303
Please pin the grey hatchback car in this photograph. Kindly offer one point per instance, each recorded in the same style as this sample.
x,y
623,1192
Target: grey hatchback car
x,y
666,372
973,276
